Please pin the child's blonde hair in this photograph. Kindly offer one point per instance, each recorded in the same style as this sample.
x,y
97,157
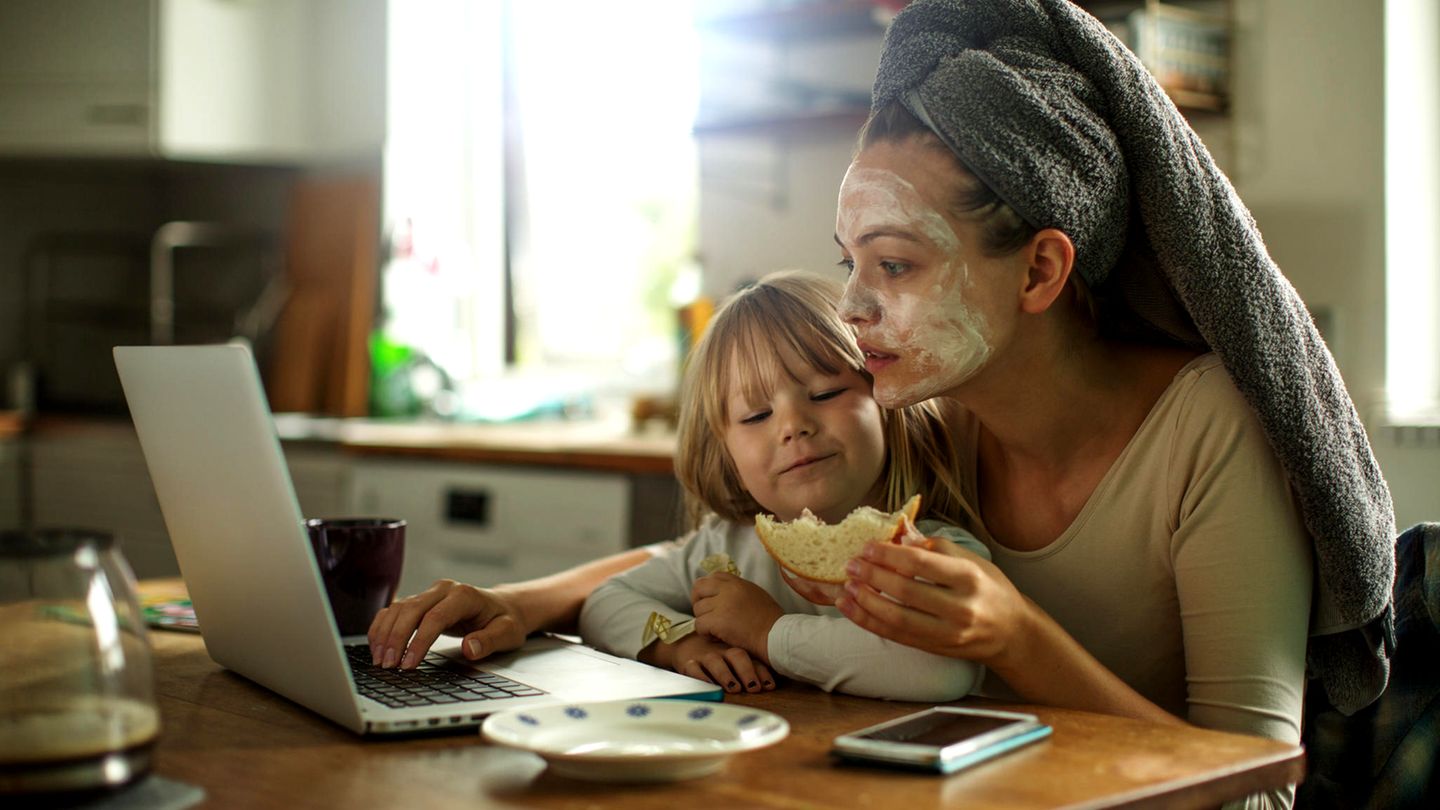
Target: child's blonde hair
x,y
741,347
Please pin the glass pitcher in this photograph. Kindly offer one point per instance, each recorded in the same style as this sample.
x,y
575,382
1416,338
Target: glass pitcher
x,y
77,699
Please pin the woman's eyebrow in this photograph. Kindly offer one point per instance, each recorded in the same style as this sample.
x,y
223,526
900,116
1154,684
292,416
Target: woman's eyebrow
x,y
869,236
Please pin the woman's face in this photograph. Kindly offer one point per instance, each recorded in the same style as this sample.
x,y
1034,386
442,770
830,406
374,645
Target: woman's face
x,y
921,295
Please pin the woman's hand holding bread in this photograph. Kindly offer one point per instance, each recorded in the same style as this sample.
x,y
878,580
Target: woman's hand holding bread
x,y
937,597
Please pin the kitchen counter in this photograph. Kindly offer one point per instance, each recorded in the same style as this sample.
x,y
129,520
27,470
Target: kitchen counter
x,y
601,444
618,487
608,445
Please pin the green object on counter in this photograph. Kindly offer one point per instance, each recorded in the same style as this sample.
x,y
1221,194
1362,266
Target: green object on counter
x,y
390,391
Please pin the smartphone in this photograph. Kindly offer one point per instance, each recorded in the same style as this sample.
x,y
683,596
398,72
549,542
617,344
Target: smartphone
x,y
943,739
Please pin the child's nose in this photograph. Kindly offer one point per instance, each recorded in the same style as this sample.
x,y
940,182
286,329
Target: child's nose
x,y
797,425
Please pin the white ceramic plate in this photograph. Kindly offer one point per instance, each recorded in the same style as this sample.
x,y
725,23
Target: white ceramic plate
x,y
636,740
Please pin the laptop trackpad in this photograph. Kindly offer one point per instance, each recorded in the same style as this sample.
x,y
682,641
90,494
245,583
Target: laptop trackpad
x,y
577,672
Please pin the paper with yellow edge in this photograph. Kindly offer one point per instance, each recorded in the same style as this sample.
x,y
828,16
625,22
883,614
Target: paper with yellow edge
x,y
660,627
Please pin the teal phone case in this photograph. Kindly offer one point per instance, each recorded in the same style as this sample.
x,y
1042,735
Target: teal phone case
x,y
940,766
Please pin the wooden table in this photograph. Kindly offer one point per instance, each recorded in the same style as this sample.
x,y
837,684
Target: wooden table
x,y
249,748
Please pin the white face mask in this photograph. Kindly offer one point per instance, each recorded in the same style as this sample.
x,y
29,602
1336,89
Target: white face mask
x,y
925,321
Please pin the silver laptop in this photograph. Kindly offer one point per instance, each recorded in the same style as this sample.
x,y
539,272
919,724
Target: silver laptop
x,y
231,512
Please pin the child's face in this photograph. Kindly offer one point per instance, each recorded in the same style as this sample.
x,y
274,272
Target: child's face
x,y
816,443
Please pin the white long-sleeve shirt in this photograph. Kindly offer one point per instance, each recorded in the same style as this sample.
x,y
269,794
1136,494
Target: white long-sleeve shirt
x,y
811,643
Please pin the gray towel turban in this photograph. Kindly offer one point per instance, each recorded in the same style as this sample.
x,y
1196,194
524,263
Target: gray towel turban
x,y
1051,111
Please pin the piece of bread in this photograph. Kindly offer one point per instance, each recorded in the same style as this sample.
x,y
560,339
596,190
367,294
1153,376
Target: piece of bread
x,y
810,548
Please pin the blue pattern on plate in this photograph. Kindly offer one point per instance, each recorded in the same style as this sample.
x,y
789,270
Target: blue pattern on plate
x,y
747,719
700,714
576,712
638,710
528,720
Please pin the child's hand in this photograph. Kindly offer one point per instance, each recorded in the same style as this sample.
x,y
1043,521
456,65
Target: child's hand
x,y
735,611
709,659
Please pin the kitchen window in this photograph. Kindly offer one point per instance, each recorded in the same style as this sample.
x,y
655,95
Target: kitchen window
x,y
540,198
1412,209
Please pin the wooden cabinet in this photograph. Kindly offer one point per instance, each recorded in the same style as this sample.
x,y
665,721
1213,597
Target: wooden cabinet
x,y
217,80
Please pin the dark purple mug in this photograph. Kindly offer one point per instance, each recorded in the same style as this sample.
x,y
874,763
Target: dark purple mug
x,y
360,560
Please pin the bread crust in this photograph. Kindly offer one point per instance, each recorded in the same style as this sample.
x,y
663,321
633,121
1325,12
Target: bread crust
x,y
893,530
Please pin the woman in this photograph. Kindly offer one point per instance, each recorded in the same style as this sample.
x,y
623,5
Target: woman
x,y
1190,557
1154,502
1099,199
1142,386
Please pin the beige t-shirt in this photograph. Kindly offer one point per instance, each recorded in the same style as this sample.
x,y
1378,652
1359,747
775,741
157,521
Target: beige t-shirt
x,y
1188,572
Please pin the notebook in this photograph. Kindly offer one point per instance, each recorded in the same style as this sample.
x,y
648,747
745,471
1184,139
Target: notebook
x,y
220,476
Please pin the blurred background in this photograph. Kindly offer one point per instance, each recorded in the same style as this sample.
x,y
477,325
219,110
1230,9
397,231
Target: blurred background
x,y
470,240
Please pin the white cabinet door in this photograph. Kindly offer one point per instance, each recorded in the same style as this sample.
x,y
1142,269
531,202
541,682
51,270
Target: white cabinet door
x,y
222,80
231,78
75,76
270,79
486,524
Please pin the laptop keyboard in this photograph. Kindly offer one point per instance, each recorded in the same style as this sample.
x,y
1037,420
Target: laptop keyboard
x,y
435,681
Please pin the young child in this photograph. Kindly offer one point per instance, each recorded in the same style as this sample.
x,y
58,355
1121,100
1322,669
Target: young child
x,y
777,416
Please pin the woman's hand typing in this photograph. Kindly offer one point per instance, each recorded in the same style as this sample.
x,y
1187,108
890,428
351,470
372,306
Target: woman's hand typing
x,y
490,620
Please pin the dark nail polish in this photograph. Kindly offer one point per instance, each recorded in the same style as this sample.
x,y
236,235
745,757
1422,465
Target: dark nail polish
x,y
752,684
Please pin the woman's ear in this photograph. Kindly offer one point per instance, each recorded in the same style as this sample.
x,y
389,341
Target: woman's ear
x,y
1049,258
